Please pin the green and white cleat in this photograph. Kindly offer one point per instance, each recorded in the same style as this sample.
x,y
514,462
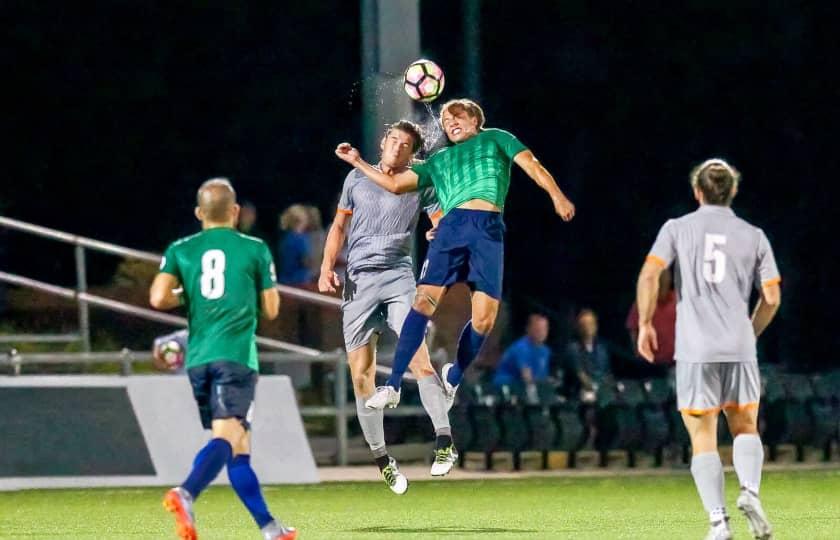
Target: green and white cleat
x,y
719,530
385,396
394,478
750,505
445,459
448,389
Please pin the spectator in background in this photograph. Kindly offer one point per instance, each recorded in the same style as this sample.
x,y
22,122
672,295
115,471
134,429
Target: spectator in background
x,y
295,247
587,359
526,361
317,238
664,322
248,221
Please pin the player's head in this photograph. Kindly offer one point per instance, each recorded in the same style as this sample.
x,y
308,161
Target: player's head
x,y
295,218
587,324
401,141
461,119
216,203
715,182
537,328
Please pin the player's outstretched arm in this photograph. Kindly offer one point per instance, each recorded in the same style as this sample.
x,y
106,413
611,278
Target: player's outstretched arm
x,y
767,306
539,174
270,303
647,291
329,281
398,183
162,293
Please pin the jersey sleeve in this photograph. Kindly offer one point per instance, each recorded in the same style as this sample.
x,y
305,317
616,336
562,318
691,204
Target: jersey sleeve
x,y
267,277
664,249
345,202
430,204
169,263
508,143
767,273
423,170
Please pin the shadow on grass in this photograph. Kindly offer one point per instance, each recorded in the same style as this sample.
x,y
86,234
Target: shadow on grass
x,y
439,530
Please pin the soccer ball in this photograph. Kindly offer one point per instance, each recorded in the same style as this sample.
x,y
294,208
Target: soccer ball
x,y
423,80
172,354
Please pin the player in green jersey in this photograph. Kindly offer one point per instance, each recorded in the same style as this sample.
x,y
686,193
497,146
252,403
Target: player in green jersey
x,y
471,178
226,281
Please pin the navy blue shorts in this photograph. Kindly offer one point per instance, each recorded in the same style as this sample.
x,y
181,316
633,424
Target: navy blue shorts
x,y
223,390
468,247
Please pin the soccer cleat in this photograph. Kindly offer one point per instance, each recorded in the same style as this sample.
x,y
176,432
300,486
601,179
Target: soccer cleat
x,y
179,503
750,505
273,531
385,396
445,459
448,389
719,530
394,478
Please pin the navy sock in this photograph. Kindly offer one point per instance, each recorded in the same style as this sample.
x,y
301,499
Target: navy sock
x,y
207,465
469,345
411,337
246,485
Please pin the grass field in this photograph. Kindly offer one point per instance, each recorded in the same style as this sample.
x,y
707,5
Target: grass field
x,y
801,505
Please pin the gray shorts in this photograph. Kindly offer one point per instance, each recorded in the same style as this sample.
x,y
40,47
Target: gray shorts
x,y
713,386
375,301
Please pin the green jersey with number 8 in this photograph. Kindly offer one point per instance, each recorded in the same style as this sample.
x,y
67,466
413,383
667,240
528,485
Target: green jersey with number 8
x,y
223,273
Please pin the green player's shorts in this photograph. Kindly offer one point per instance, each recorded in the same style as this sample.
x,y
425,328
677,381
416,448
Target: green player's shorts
x,y
224,390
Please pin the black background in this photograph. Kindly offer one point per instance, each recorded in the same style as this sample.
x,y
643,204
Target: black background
x,y
114,112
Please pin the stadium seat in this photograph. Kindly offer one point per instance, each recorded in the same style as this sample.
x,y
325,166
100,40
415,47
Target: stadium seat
x,y
485,428
514,429
619,425
541,427
570,431
462,427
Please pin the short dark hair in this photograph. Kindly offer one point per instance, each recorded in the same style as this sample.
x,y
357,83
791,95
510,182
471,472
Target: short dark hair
x,y
716,179
407,126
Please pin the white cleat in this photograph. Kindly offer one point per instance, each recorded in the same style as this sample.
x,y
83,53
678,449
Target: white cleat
x,y
394,478
719,530
385,396
445,459
750,505
448,389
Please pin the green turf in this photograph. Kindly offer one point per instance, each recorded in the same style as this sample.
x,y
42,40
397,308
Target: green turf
x,y
802,505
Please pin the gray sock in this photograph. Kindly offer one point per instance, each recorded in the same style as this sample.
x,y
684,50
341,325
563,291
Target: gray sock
x,y
707,471
748,457
372,428
434,401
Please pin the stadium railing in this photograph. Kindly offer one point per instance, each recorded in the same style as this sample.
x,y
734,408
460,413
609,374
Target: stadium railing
x,y
14,361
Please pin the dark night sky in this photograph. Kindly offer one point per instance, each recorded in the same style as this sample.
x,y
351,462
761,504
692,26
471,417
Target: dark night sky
x,y
116,111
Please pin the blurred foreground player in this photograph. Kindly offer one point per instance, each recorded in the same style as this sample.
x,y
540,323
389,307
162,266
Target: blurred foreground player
x,y
717,259
228,280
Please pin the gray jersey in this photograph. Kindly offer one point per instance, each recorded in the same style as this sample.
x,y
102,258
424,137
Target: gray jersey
x,y
718,258
383,223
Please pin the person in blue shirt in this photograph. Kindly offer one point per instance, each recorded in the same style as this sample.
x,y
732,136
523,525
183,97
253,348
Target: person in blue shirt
x,y
295,248
526,361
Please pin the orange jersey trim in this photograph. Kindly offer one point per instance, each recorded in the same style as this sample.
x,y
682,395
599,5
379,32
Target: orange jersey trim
x,y
657,260
344,211
436,215
774,281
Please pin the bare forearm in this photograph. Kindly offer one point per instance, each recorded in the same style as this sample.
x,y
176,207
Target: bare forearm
x,y
646,292
332,247
381,179
763,315
165,299
543,178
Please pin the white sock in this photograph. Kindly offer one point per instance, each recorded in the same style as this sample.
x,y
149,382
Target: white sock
x,y
434,401
748,457
372,427
707,471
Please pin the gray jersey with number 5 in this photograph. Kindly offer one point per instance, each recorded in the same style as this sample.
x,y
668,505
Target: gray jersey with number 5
x,y
718,258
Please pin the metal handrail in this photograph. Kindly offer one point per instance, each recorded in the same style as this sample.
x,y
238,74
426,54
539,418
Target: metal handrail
x,y
129,253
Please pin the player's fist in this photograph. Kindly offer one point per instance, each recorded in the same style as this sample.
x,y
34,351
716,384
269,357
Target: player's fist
x,y
346,152
563,207
647,343
328,281
431,233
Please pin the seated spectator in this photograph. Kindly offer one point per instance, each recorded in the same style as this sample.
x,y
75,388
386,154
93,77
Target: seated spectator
x,y
526,361
664,321
587,359
317,238
295,248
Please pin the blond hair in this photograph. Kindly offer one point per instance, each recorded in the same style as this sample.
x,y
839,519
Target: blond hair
x,y
468,106
293,216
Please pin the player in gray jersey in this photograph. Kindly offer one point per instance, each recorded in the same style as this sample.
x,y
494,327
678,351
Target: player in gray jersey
x,y
718,258
379,289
